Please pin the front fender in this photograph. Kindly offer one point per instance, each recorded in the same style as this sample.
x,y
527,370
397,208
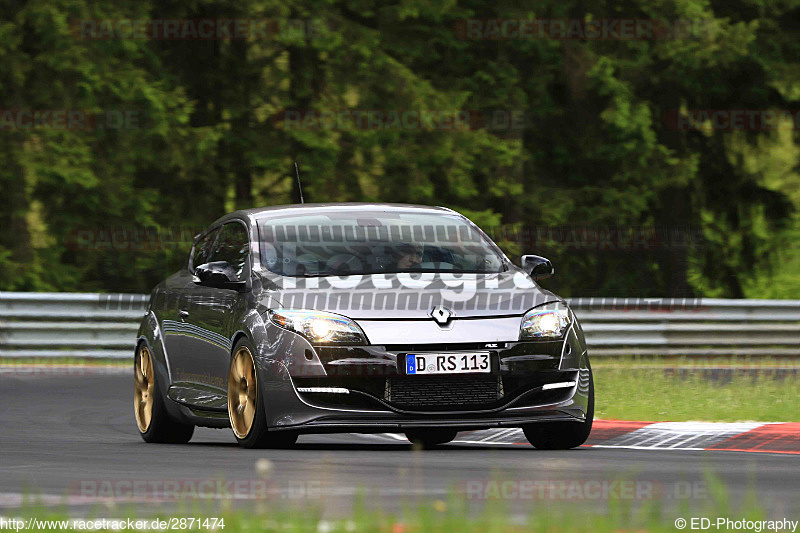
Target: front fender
x,y
150,334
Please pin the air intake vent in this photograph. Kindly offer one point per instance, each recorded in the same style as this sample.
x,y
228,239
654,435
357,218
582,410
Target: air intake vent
x,y
444,393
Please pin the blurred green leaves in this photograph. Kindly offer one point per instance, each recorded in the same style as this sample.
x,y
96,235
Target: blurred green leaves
x,y
592,146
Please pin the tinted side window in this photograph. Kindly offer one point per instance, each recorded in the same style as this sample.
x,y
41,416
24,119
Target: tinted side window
x,y
233,246
202,250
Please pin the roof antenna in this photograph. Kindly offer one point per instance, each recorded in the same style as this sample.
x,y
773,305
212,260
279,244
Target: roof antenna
x,y
299,186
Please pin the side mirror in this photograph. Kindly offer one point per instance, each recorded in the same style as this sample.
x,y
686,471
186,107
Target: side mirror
x,y
218,275
537,267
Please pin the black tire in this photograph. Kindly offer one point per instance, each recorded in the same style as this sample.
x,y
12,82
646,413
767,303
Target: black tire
x,y
562,435
259,436
430,438
162,428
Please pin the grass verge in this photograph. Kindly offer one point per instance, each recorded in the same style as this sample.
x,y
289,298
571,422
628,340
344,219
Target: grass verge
x,y
715,390
451,514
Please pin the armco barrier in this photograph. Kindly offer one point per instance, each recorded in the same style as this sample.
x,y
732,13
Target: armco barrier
x,y
703,326
35,324
105,325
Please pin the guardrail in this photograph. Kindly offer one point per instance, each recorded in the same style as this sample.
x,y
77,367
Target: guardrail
x,y
35,324
105,325
703,326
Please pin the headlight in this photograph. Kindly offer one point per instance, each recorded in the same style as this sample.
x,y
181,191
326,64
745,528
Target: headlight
x,y
547,321
318,326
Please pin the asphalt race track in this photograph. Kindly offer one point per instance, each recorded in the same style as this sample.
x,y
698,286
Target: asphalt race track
x,y
70,438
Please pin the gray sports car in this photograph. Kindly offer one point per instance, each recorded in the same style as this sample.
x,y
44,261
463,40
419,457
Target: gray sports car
x,y
363,318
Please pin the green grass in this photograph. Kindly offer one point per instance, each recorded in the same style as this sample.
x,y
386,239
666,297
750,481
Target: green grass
x,y
676,390
451,514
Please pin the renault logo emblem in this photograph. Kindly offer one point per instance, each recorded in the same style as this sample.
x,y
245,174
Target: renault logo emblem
x,y
441,314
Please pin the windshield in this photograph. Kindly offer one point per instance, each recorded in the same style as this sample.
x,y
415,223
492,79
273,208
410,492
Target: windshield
x,y
341,243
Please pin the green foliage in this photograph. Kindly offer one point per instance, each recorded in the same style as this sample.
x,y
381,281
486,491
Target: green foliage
x,y
715,389
593,147
496,508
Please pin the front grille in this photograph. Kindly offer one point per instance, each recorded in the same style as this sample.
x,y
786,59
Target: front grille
x,y
443,392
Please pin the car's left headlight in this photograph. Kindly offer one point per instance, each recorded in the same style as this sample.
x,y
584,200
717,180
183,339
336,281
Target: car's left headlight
x,y
318,326
547,321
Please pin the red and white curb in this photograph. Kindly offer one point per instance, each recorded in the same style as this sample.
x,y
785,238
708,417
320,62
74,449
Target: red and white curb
x,y
767,437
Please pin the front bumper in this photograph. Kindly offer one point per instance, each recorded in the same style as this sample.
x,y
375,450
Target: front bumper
x,y
380,397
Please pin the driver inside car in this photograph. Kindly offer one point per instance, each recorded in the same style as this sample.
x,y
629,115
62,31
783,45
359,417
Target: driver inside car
x,y
410,256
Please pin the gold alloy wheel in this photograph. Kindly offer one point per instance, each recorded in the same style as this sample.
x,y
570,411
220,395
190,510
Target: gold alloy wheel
x,y
242,392
144,389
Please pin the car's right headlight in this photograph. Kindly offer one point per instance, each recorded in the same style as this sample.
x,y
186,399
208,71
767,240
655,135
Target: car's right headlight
x,y
550,321
319,327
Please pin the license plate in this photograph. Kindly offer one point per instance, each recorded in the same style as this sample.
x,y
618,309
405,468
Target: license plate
x,y
447,363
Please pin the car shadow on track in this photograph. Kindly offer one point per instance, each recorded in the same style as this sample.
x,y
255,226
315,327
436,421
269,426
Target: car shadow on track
x,y
380,447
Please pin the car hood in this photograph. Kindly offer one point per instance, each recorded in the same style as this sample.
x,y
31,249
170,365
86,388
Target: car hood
x,y
406,296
